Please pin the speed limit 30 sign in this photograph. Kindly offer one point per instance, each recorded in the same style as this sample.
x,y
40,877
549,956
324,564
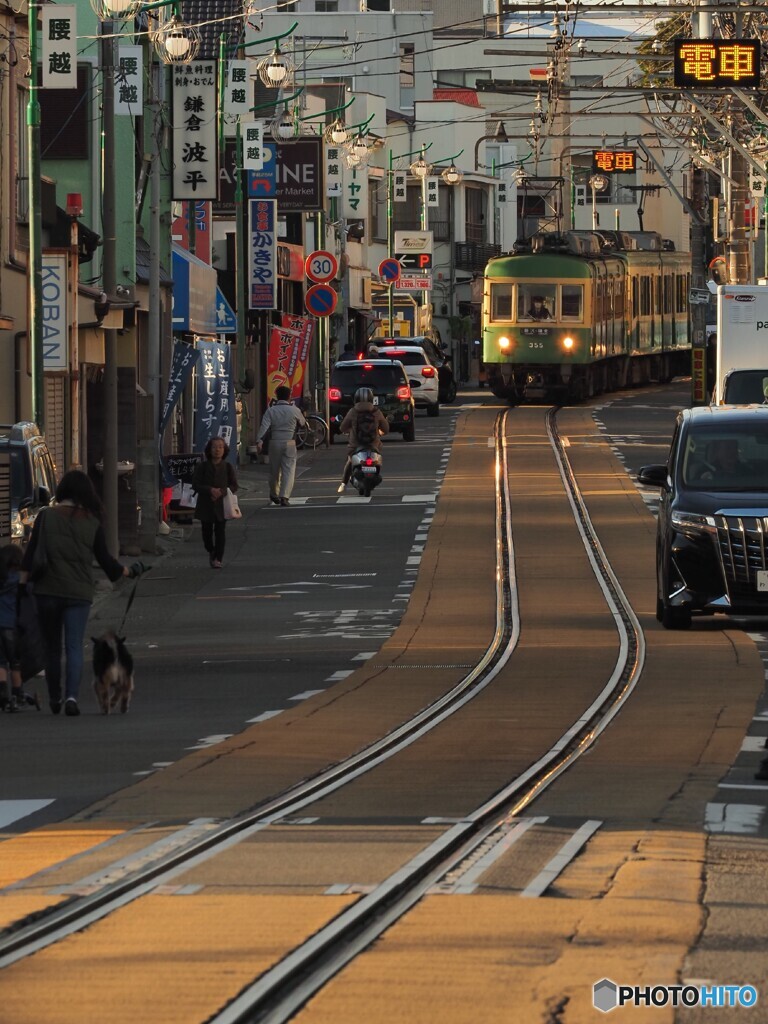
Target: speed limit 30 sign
x,y
321,266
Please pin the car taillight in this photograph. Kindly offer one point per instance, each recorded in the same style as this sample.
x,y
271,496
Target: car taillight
x,y
367,366
404,393
369,462
334,394
427,371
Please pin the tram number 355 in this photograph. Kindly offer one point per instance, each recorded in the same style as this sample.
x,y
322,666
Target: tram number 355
x,y
535,344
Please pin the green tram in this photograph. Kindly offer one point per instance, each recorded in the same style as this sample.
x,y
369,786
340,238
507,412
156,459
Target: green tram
x,y
567,316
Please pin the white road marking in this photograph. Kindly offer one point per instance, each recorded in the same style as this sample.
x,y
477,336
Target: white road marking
x,y
364,656
306,694
210,741
751,744
264,716
562,858
12,810
732,818
338,676
497,844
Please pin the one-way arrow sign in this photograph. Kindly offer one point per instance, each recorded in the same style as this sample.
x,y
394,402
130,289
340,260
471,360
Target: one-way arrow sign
x,y
418,262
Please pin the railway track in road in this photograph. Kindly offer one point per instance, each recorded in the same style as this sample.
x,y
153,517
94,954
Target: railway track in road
x,y
279,992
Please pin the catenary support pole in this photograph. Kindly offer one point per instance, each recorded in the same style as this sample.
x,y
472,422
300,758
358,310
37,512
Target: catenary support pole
x,y
109,274
35,268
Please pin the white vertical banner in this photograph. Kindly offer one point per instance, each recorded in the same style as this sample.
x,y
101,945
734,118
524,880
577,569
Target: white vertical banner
x,y
55,307
253,144
332,171
236,99
433,194
195,146
129,81
756,183
399,187
355,194
501,192
59,46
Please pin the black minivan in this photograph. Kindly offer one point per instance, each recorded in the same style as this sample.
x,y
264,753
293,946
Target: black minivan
x,y
712,537
391,392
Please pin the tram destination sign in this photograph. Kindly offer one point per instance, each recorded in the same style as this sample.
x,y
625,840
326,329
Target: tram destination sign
x,y
717,63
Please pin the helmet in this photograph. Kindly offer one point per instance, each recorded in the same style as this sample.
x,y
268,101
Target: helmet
x,y
363,395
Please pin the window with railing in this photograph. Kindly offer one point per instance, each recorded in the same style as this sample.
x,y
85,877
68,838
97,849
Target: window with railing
x,y
407,75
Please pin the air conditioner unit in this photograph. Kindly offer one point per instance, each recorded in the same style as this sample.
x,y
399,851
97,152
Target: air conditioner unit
x,y
379,6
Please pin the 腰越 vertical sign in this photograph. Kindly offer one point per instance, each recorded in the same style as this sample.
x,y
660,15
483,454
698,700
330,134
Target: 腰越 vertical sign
x,y
253,144
433,193
332,171
501,192
59,46
262,258
129,81
195,146
400,187
55,309
236,91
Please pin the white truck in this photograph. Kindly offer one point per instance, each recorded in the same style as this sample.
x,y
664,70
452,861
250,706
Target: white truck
x,y
741,368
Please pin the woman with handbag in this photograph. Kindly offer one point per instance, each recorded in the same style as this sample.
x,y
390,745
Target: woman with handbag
x,y
213,477
65,540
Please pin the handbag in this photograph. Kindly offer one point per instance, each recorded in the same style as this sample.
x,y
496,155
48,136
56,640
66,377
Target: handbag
x,y
39,565
231,506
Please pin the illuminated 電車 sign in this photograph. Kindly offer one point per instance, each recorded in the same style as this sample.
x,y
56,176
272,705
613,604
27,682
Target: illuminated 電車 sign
x,y
717,63
613,161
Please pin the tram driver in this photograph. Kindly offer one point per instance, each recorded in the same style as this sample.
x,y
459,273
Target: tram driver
x,y
538,310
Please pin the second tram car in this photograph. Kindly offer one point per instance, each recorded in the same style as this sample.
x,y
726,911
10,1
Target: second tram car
x,y
566,316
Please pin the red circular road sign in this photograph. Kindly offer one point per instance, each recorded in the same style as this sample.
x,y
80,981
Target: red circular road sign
x,y
321,266
320,300
389,270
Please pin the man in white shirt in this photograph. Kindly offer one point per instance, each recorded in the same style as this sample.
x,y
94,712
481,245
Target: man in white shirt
x,y
281,421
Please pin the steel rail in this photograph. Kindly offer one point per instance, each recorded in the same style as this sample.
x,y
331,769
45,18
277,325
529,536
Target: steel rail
x,y
278,993
38,931
283,990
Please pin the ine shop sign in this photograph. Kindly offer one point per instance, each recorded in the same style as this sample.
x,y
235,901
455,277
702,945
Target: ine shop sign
x,y
291,174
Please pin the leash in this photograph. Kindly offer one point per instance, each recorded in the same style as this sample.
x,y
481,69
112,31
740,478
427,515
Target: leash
x,y
128,606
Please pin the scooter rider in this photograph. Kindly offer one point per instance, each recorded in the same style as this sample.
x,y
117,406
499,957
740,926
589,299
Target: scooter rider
x,y
357,439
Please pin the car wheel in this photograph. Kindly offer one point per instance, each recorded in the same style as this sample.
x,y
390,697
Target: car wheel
x,y
433,410
675,618
409,432
449,392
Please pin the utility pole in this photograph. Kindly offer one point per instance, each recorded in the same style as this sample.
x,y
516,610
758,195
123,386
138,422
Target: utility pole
x,y
739,271
109,278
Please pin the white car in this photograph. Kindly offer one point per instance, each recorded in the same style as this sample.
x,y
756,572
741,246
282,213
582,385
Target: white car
x,y
422,374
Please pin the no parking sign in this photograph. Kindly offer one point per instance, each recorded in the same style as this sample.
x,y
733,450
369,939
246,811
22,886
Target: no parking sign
x,y
320,300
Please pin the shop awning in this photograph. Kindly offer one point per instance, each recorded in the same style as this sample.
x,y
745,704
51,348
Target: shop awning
x,y
194,294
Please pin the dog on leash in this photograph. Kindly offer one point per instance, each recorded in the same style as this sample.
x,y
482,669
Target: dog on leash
x,y
112,672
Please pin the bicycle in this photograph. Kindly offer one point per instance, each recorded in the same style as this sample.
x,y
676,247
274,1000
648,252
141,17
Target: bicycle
x,y
315,432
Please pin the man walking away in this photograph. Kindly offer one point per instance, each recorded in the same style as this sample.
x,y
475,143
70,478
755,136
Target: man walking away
x,y
280,421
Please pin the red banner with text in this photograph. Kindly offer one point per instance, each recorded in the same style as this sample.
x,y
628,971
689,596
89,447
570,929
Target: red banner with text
x,y
288,355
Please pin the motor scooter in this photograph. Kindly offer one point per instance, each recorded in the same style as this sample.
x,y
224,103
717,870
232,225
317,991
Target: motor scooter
x,y
366,471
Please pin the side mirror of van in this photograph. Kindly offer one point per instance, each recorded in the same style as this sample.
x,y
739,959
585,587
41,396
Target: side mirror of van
x,y
653,476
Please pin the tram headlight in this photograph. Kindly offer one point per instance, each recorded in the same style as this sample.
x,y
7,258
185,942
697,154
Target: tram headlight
x,y
568,343
504,342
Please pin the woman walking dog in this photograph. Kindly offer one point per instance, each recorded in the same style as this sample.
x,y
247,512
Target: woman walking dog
x,y
71,535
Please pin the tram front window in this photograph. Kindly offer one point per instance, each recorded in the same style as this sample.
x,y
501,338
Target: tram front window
x,y
536,302
572,299
501,302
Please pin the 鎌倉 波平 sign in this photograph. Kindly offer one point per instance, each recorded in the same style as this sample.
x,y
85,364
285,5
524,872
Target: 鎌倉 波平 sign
x,y
195,146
